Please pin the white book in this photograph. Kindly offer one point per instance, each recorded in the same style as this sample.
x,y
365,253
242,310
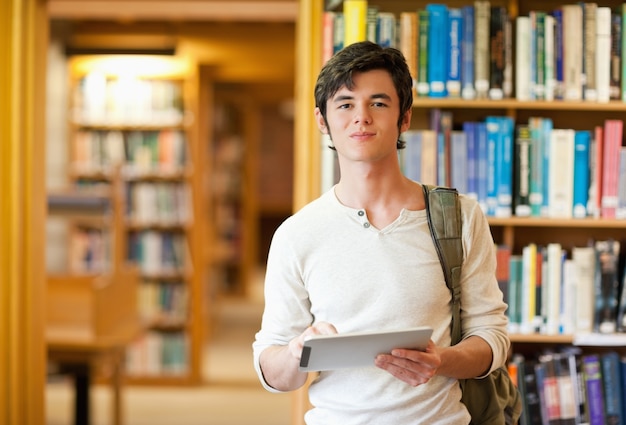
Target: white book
x,y
553,282
561,174
572,51
584,259
603,54
568,290
522,58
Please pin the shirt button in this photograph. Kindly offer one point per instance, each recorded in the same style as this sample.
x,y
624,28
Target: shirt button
x,y
361,213
366,225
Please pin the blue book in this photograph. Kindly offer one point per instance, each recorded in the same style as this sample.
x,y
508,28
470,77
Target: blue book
x,y
469,127
536,166
494,146
582,141
592,376
458,161
455,27
504,160
546,130
558,53
467,54
482,155
411,155
611,379
442,169
438,42
514,311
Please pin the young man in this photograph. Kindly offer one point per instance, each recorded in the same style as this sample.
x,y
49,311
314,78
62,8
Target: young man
x,y
361,258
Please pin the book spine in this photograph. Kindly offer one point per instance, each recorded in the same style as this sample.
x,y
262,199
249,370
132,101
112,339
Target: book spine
x,y
422,65
498,17
386,29
606,286
408,42
483,164
546,132
521,183
616,55
582,144
522,58
603,54
592,373
536,166
514,311
620,212
612,387
355,21
371,24
610,166
504,158
559,88
589,51
493,141
438,41
540,58
528,295
455,27
561,173
458,161
550,80
572,51
482,11
467,54
469,128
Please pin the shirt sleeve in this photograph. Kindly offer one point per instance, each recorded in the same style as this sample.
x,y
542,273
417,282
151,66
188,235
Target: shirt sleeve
x,y
483,310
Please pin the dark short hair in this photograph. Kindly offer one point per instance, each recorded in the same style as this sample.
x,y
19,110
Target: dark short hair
x,y
361,57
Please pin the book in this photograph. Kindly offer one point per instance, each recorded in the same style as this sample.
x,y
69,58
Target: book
x,y
616,56
328,35
514,293
522,58
355,19
494,145
503,260
613,392
590,52
455,28
553,282
559,87
408,42
438,41
429,157
584,258
539,48
595,173
620,211
387,29
483,164
521,170
482,17
504,157
610,167
371,24
565,368
549,57
582,146
467,54
498,18
536,165
603,55
458,161
528,293
423,18
606,286
412,155
561,173
572,51
592,373
469,128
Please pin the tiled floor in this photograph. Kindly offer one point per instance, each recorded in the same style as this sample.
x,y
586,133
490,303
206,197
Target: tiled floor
x,y
231,395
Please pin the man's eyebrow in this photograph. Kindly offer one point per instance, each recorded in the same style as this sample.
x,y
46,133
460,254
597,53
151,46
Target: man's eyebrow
x,y
343,97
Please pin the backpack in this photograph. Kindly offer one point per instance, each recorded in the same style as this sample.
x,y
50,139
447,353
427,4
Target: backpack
x,y
493,400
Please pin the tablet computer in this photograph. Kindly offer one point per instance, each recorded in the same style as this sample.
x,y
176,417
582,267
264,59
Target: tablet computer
x,y
337,351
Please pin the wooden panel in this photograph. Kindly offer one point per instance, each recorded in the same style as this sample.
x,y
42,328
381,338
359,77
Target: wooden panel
x,y
182,10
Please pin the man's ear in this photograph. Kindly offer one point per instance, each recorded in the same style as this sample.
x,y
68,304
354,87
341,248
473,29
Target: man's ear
x,y
321,122
406,121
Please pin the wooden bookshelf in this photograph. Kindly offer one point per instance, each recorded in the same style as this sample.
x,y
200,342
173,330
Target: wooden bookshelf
x,y
516,232
143,123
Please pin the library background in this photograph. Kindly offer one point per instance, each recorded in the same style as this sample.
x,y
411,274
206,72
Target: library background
x,y
180,133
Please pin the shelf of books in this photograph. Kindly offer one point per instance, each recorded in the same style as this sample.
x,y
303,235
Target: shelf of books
x,y
131,113
525,114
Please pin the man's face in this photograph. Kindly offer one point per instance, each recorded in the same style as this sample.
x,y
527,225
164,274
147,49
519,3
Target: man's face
x,y
363,122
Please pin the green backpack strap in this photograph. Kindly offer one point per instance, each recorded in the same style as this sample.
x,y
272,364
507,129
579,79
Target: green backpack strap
x,y
443,212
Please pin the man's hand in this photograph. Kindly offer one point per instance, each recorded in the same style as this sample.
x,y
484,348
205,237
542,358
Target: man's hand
x,y
321,328
411,366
